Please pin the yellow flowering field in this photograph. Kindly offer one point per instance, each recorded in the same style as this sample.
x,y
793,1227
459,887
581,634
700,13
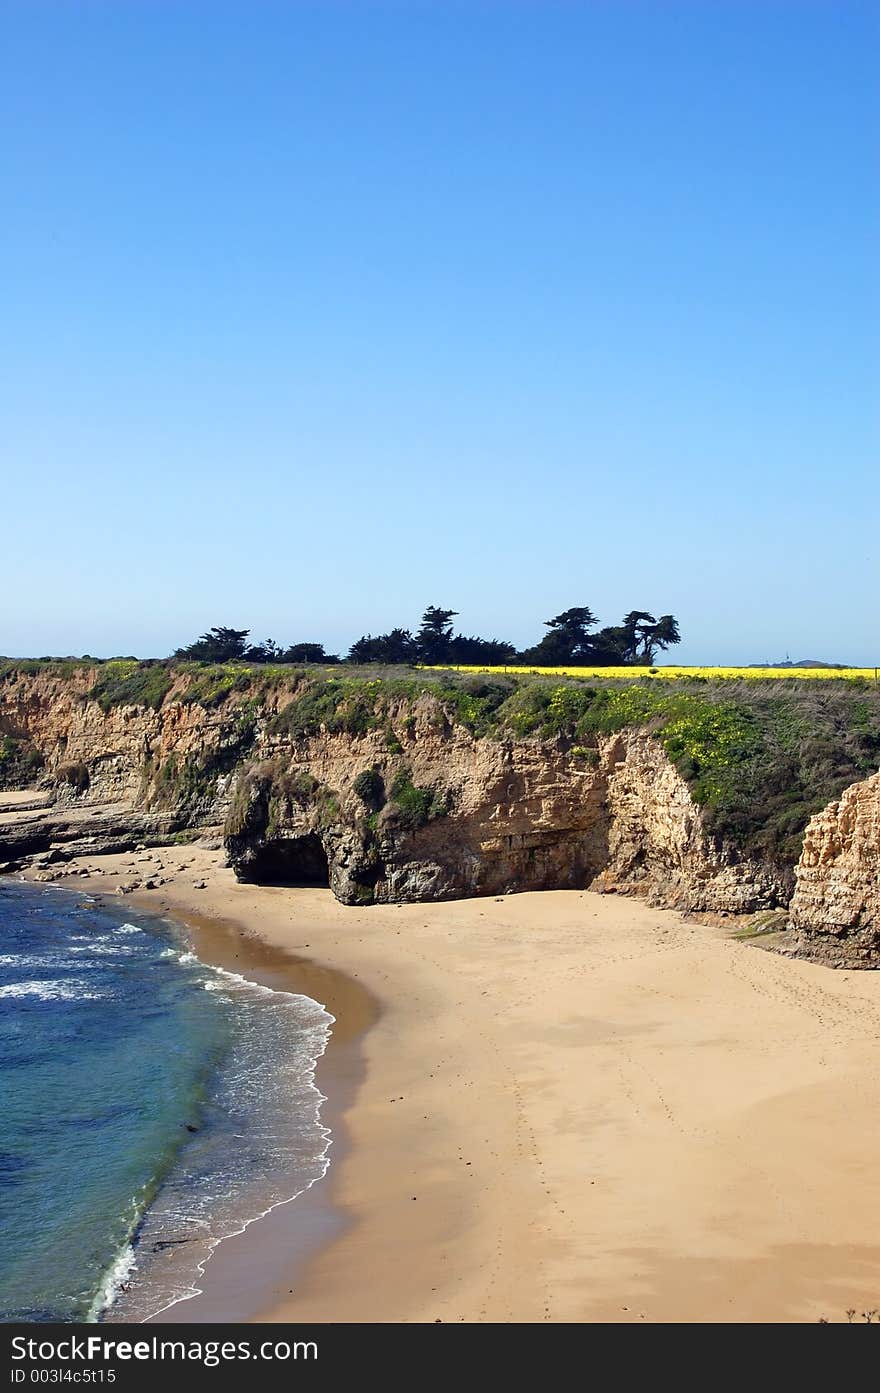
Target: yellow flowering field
x,y
809,674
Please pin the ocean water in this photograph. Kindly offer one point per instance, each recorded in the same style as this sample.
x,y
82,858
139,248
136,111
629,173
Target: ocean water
x,y
150,1106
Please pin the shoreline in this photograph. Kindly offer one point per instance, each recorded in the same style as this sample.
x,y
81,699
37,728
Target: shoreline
x,y
572,1107
250,1271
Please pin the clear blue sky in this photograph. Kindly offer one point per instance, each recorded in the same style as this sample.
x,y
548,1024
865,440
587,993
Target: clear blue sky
x,y
317,313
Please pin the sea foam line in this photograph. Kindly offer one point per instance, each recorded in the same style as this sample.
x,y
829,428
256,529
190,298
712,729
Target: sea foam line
x,y
112,1283
126,1262
49,989
215,1241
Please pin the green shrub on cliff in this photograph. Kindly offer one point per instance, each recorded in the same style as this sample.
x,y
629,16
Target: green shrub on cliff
x,y
20,762
250,801
355,705
370,788
475,701
124,683
209,687
266,797
192,779
349,705
314,706
415,806
296,785
64,668
759,756
538,708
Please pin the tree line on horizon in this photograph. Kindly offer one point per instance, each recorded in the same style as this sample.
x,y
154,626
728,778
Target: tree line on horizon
x,y
570,641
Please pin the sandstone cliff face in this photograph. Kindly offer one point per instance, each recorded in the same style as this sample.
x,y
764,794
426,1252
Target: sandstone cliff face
x,y
836,904
514,814
518,815
504,814
657,838
124,750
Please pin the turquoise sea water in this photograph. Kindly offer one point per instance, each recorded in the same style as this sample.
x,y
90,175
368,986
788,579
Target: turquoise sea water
x,y
149,1107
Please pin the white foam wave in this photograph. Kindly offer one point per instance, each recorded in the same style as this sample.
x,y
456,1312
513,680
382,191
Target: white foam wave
x,y
296,1078
30,959
213,1242
113,1284
101,950
309,1007
49,989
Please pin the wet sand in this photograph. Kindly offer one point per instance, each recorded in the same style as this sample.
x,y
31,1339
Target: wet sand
x,y
567,1107
252,1272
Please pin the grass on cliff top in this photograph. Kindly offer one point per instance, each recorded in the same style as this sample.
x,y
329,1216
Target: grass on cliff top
x,y
760,754
122,683
53,667
760,757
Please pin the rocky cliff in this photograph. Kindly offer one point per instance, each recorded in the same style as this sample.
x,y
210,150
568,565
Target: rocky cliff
x,y
444,814
836,904
410,802
126,752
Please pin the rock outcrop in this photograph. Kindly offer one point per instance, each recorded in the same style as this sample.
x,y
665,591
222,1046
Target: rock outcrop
x,y
88,830
177,756
836,904
499,815
416,806
657,838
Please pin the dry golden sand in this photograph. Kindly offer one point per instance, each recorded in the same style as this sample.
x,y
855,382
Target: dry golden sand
x,y
572,1107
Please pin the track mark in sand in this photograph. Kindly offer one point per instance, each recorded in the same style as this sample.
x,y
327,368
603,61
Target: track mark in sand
x,y
645,1101
829,1012
693,1133
497,1269
523,1126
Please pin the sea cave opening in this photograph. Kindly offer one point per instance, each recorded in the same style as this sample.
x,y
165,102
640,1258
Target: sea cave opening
x,y
291,861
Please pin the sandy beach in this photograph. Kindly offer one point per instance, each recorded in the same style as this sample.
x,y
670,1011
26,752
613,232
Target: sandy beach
x,y
553,1107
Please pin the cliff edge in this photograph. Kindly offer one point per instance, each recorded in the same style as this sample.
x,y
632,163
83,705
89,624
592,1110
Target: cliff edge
x,y
426,787
836,903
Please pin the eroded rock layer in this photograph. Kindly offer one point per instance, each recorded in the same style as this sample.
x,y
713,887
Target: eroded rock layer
x,y
836,904
418,807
